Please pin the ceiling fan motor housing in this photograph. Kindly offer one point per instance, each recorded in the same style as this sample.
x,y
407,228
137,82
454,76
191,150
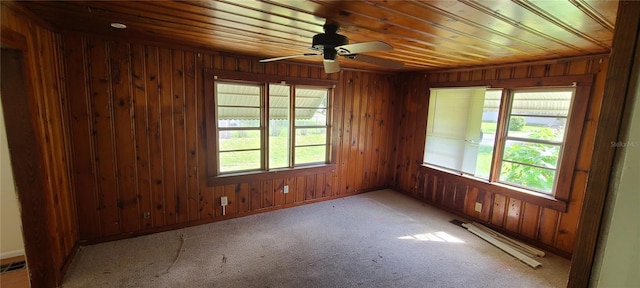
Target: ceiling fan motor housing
x,y
327,43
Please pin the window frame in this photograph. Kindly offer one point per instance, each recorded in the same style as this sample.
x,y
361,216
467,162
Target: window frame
x,y
214,176
569,152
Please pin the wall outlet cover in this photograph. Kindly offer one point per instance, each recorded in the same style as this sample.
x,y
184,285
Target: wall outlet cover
x,y
478,207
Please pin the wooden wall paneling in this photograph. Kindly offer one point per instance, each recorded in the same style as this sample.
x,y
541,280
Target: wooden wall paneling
x,y
363,130
192,107
513,221
104,137
242,197
128,205
267,194
278,191
205,201
498,210
68,200
487,207
217,192
548,224
566,226
420,191
520,72
255,190
460,196
168,142
448,193
337,129
290,197
345,141
558,69
328,186
300,189
141,131
470,205
439,191
399,131
367,118
320,189
231,191
155,135
179,135
531,218
383,119
310,192
81,127
355,132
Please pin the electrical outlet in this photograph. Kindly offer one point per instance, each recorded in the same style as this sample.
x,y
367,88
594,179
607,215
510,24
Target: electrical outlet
x,y
286,189
224,201
478,207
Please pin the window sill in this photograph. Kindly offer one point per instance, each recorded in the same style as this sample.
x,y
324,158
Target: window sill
x,y
246,177
535,198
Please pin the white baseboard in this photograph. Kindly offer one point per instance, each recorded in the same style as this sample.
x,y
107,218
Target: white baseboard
x,y
13,253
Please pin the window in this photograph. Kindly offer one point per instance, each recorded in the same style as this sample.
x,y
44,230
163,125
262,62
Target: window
x,y
267,127
516,137
535,137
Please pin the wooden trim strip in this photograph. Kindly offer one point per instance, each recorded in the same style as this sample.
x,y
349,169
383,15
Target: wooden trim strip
x,y
262,78
269,175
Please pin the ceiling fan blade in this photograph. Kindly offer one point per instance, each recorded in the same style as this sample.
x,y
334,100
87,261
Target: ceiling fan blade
x,y
287,57
376,61
331,66
363,47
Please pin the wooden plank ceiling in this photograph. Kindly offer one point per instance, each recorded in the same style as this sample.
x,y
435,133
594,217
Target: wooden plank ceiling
x,y
426,35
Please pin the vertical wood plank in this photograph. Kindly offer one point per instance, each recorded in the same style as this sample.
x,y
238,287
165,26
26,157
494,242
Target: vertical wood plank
x,y
124,137
513,215
155,135
530,220
179,135
191,70
81,132
498,212
168,142
310,192
103,135
267,193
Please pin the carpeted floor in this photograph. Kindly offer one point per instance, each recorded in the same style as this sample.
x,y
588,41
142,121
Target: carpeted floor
x,y
377,239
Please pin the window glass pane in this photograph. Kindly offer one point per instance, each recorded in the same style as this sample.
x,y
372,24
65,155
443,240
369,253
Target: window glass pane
x,y
487,137
248,123
239,140
462,141
541,128
536,131
544,103
311,117
279,148
525,176
239,161
310,154
535,154
279,126
311,97
311,136
233,94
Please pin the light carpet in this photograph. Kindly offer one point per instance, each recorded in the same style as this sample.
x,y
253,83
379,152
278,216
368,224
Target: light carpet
x,y
376,239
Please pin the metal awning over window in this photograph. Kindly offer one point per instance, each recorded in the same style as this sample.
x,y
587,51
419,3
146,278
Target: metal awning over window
x,y
231,97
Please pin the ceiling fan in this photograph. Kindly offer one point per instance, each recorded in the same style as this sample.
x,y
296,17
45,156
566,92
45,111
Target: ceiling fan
x,y
330,44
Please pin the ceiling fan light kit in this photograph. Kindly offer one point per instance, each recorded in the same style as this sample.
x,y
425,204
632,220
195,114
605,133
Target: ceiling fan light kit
x,y
331,45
